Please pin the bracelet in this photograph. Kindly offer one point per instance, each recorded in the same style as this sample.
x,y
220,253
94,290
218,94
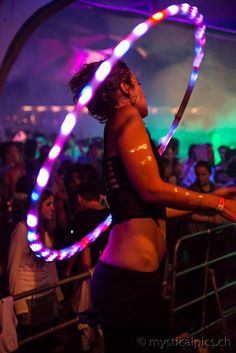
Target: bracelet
x,y
221,204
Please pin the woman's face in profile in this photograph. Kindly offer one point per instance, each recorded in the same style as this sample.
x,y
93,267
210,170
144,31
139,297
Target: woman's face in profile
x,y
48,209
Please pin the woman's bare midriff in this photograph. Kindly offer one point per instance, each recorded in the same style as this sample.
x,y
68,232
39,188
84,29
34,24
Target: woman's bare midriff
x,y
137,244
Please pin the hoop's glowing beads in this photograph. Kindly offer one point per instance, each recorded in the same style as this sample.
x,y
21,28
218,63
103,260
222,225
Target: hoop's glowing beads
x,y
34,196
103,71
45,253
52,257
158,16
200,33
193,13
184,8
36,247
43,177
31,236
173,9
198,20
197,61
54,152
193,77
121,48
140,29
68,124
63,255
32,220
86,95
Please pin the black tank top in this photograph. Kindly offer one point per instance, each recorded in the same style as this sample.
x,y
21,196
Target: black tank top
x,y
124,200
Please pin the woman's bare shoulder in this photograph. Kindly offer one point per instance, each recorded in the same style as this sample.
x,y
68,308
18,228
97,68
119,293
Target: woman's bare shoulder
x,y
125,123
126,117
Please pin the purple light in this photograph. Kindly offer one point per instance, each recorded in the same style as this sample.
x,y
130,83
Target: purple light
x,y
193,13
200,33
198,20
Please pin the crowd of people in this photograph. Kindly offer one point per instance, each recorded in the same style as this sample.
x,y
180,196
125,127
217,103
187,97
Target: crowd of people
x,y
75,202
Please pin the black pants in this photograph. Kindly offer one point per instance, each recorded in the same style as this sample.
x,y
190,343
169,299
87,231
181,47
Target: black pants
x,y
129,306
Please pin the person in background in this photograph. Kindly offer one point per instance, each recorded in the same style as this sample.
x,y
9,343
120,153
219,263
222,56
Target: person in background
x,y
71,149
12,167
92,213
223,162
127,280
26,272
177,171
94,155
31,163
222,178
200,221
187,175
77,174
174,145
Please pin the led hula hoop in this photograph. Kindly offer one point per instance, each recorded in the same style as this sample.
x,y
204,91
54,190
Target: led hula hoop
x,y
86,95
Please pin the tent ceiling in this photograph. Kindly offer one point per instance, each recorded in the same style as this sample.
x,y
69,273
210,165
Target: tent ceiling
x,y
79,32
219,14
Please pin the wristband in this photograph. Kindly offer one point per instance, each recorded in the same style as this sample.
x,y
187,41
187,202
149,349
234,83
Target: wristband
x,y
221,204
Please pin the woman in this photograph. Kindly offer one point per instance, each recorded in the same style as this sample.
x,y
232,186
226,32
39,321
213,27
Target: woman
x,y
127,281
26,271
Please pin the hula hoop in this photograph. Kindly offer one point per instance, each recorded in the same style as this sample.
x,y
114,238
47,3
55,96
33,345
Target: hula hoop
x,y
86,95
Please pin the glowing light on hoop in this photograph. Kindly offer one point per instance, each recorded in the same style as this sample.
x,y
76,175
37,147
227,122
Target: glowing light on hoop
x,y
86,95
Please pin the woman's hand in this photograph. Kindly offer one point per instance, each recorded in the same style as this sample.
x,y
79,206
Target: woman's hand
x,y
229,210
227,192
217,219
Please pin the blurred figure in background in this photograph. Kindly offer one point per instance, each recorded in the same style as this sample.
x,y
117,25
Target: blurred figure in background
x,y
12,167
71,149
222,165
26,272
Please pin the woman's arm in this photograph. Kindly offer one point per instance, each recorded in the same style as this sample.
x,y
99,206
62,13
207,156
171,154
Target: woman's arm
x,y
173,213
134,148
201,218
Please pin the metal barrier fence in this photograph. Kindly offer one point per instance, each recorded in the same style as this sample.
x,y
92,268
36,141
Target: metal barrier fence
x,y
174,275
55,328
209,274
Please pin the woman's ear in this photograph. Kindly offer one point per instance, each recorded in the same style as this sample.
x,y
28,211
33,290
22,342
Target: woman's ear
x,y
125,89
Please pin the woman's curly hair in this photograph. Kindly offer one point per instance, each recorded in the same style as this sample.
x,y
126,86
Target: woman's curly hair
x,y
102,106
